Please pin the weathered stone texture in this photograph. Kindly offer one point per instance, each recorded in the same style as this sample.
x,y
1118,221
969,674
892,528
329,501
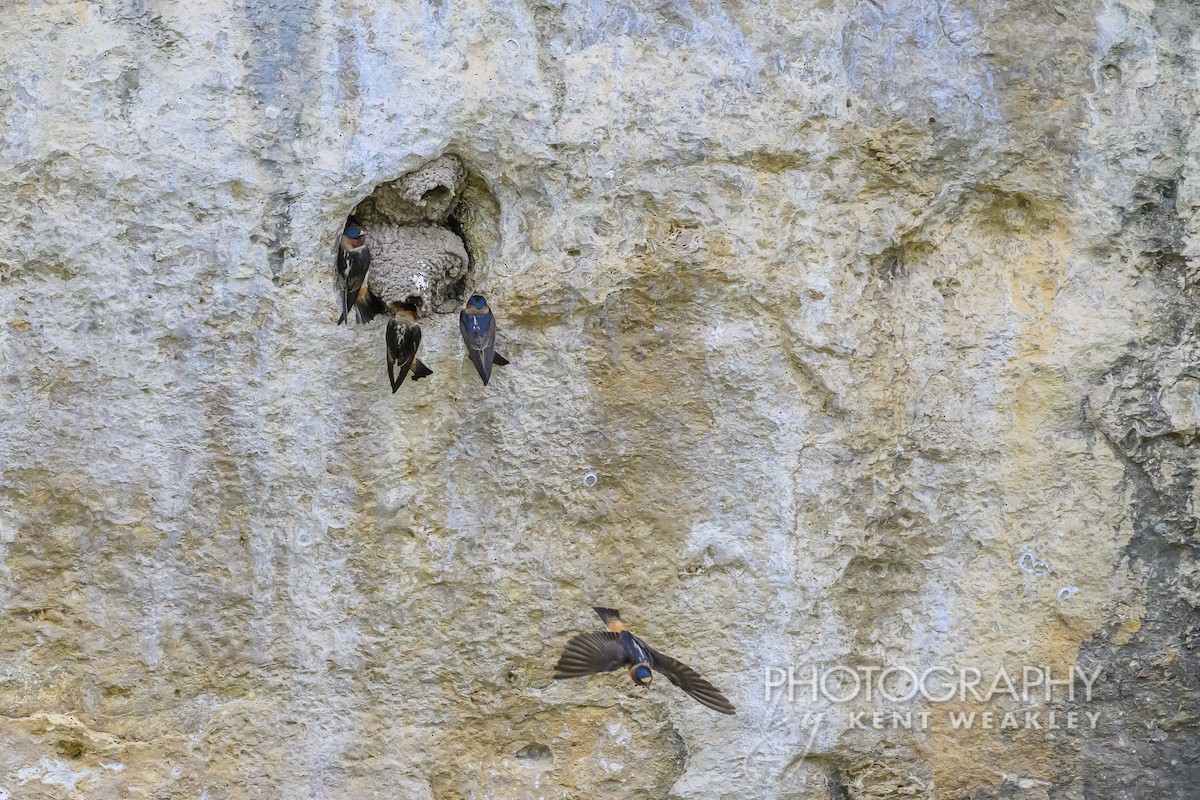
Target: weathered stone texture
x,y
875,321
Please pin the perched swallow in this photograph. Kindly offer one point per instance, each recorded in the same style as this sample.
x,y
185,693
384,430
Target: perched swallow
x,y
353,261
478,327
589,653
403,337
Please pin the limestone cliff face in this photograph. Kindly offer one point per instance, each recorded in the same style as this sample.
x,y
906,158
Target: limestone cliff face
x,y
844,332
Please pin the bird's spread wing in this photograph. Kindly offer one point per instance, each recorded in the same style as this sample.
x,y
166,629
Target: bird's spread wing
x,y
589,653
690,681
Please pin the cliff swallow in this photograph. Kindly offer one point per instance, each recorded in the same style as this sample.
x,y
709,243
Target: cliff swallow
x,y
353,261
589,653
478,327
403,337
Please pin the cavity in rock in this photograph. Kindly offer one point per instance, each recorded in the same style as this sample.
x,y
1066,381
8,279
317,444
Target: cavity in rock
x,y
426,231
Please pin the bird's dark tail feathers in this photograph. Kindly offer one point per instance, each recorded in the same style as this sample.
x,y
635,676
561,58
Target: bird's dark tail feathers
x,y
607,615
499,360
369,308
420,370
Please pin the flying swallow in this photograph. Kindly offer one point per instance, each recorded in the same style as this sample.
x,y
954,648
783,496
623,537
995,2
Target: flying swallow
x,y
353,261
403,337
478,327
589,653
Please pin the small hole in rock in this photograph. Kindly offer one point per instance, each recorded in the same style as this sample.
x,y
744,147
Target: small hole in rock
x,y
574,252
534,750
437,195
69,748
891,265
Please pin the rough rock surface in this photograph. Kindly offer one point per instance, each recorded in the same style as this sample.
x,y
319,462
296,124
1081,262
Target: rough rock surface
x,y
843,332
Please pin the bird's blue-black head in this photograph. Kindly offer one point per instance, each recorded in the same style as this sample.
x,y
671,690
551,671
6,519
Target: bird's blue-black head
x,y
354,231
477,301
642,675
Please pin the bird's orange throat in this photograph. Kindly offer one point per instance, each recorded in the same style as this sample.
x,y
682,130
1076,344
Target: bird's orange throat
x,y
616,626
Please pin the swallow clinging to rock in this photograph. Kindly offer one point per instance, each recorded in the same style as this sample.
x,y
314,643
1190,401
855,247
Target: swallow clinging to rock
x,y
353,263
403,338
478,327
605,651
